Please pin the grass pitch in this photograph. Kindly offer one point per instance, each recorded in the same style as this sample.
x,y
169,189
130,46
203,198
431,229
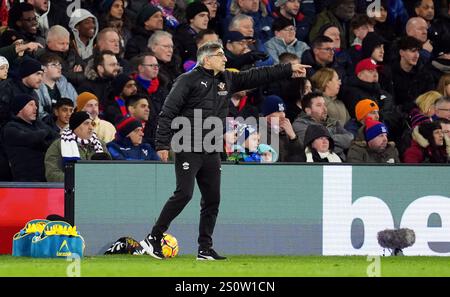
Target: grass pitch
x,y
235,266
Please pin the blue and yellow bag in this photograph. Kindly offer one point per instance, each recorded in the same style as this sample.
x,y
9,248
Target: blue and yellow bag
x,y
22,239
58,239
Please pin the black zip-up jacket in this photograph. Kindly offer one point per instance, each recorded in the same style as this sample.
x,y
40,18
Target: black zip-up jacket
x,y
201,89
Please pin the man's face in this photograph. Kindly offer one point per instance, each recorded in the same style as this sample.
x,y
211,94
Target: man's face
x,y
110,67
200,21
85,130
249,5
361,32
136,136
163,49
4,71
155,22
410,57
374,115
246,28
446,129
291,7
216,61
287,34
324,53
110,41
34,80
91,108
346,10
149,69
419,30
28,22
318,109
63,114
378,53
369,76
238,47
378,143
321,144
59,44
53,70
140,110
130,88
443,110
28,112
86,27
426,10
39,5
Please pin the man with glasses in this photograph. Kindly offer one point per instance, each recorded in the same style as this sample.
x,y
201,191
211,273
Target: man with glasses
x,y
202,94
284,40
442,107
22,24
54,87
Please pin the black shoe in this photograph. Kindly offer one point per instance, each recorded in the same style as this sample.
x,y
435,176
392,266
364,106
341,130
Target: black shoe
x,y
152,247
209,254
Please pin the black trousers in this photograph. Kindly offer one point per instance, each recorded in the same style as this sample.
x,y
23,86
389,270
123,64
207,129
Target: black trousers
x,y
205,168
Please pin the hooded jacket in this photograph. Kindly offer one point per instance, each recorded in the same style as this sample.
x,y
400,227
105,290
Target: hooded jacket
x,y
79,15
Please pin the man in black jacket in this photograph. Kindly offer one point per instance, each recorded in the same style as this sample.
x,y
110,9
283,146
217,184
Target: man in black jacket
x,y
202,95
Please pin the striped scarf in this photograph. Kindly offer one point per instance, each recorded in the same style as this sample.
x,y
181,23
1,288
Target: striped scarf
x,y
69,145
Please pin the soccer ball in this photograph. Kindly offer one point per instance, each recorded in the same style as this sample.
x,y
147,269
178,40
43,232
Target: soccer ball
x,y
169,245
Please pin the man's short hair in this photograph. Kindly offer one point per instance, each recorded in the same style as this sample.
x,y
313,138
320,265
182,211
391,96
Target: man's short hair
x,y
139,60
307,99
202,34
443,99
321,39
286,57
63,101
99,57
103,32
156,36
359,20
409,43
207,49
133,99
57,32
48,58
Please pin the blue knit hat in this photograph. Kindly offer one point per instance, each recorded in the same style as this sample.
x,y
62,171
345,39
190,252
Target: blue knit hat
x,y
373,129
272,104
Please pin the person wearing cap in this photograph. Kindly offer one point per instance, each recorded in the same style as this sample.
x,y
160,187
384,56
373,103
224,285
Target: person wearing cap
x,y
205,89
25,140
128,145
364,108
197,18
428,145
84,26
316,113
319,145
79,142
89,103
149,19
410,77
365,85
54,87
29,78
238,54
300,13
284,40
375,147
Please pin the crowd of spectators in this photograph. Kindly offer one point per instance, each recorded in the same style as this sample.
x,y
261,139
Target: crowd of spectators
x,y
87,79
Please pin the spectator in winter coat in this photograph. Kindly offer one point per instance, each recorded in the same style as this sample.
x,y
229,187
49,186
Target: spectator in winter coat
x,y
25,140
319,145
128,144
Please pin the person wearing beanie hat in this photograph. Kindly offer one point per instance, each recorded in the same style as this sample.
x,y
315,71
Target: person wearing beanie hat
x,y
128,143
376,148
28,67
4,67
194,8
88,102
123,87
268,154
79,142
285,40
247,142
319,145
367,108
373,47
25,140
146,12
272,104
428,145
